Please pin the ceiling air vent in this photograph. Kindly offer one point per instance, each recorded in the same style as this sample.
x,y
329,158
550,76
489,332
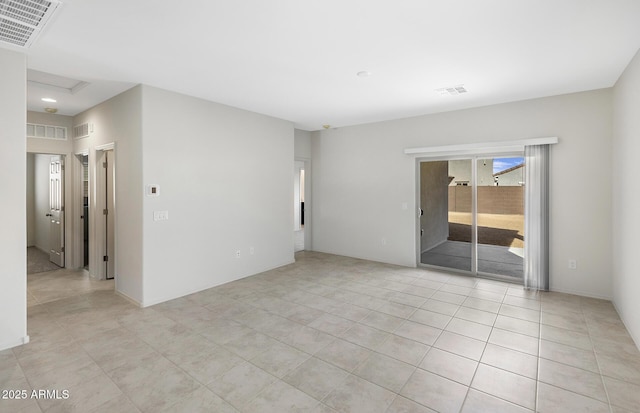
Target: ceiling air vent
x,y
81,131
21,21
452,91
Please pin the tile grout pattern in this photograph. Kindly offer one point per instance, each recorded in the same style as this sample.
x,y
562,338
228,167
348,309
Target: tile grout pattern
x,y
329,334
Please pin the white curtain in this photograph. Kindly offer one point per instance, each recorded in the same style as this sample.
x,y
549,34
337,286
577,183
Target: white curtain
x,y
536,226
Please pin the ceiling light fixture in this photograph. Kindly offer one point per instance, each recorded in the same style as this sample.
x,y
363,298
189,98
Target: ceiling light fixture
x,y
50,110
364,73
326,126
49,100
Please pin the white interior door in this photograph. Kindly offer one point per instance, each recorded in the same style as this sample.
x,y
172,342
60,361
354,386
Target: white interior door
x,y
56,210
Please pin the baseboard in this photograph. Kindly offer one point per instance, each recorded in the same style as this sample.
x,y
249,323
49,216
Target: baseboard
x,y
580,293
634,337
131,300
12,344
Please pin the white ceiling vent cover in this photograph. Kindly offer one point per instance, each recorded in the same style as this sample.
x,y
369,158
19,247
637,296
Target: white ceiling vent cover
x,y
452,91
21,21
81,131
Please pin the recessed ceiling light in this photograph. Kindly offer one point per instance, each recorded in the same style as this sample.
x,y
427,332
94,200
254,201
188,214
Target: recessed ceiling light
x,y
364,73
50,100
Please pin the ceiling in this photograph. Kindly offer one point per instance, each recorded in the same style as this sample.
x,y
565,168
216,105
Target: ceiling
x,y
298,59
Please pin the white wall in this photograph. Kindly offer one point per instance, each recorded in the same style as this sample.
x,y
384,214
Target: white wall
x,y
361,178
13,294
225,177
626,197
31,203
118,121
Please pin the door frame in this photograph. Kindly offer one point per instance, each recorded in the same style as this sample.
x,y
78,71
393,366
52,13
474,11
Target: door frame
x,y
307,202
69,229
473,157
97,237
78,192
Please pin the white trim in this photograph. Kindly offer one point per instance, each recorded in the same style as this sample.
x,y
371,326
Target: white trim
x,y
11,344
480,148
106,147
131,300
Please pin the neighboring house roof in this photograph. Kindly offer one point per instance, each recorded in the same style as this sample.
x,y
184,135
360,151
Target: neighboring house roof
x,y
513,168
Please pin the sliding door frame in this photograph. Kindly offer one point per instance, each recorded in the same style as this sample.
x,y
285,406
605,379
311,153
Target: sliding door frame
x,y
473,157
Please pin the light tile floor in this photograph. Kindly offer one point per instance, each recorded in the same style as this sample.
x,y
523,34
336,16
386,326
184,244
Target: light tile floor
x,y
329,334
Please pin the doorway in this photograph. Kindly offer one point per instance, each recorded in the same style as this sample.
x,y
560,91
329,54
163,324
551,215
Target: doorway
x,y
302,222
106,213
45,212
84,160
298,206
472,215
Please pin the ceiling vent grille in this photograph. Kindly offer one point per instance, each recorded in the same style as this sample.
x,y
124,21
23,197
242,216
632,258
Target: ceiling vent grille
x,y
81,131
21,21
452,91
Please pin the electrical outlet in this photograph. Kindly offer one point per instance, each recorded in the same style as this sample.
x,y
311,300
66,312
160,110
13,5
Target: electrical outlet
x,y
383,241
237,253
573,264
251,250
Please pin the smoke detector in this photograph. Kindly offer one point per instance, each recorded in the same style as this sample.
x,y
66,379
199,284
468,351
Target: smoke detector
x,y
21,21
452,90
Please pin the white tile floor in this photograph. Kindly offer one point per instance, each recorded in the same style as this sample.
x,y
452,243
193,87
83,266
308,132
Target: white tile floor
x,y
327,334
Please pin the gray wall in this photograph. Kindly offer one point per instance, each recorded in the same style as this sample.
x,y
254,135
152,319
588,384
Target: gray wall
x,y
118,121
626,196
434,200
302,143
226,178
362,179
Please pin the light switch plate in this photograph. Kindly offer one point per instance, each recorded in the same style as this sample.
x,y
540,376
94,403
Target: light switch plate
x,y
160,215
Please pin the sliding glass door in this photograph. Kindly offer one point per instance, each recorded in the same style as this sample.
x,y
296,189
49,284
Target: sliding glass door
x,y
472,215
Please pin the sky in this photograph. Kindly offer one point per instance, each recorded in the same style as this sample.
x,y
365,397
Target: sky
x,y
500,164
